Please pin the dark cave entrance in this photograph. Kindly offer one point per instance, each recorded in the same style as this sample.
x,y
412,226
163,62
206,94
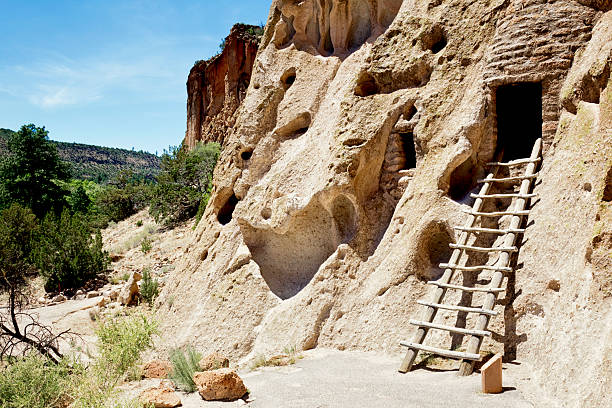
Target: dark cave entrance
x,y
519,119
407,140
226,212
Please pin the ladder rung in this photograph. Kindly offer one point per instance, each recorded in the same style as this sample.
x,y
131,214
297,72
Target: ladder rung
x,y
502,180
510,195
476,268
442,352
514,162
451,329
491,230
458,308
465,288
483,249
496,213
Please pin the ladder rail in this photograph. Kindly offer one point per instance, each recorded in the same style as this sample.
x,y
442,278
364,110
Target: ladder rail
x,y
430,312
475,342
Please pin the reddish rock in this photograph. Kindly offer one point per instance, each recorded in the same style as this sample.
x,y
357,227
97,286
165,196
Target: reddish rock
x,y
213,361
156,369
160,397
219,385
215,88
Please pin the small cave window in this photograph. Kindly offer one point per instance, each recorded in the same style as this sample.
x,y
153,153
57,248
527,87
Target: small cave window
x,y
247,154
519,119
607,194
435,40
407,140
366,85
434,250
463,179
288,78
224,216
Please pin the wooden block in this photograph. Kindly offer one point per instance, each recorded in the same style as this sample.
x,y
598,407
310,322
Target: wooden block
x,y
491,374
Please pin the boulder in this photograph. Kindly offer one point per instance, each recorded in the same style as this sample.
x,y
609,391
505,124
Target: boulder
x,y
160,397
156,369
219,385
104,301
129,291
213,361
93,294
59,298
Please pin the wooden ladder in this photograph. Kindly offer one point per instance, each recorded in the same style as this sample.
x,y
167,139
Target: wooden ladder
x,y
501,266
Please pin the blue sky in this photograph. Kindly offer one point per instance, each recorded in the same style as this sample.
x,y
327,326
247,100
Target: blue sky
x,y
109,72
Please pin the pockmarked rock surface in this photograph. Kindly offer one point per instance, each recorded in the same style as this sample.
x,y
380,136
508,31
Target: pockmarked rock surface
x,y
156,369
213,361
223,384
364,129
160,397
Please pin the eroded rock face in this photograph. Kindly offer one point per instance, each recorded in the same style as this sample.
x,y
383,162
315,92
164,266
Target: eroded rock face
x,y
215,88
349,163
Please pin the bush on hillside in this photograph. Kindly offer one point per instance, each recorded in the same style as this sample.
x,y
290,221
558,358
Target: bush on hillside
x,y
35,382
69,252
184,183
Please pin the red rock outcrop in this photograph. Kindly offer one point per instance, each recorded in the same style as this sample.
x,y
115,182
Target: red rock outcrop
x,y
216,87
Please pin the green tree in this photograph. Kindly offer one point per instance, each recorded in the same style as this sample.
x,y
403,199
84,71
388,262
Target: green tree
x,y
20,331
80,201
184,183
69,251
30,171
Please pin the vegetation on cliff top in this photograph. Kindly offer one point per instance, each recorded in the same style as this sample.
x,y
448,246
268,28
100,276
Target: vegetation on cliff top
x,y
97,163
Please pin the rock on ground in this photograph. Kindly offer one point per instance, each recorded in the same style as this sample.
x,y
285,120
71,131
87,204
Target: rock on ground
x,y
213,361
161,397
222,384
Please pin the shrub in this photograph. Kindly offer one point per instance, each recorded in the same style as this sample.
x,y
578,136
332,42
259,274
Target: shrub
x,y
184,183
68,252
149,287
34,382
145,245
139,223
184,365
121,341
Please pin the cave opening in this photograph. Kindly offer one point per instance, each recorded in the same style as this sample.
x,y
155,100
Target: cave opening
x,y
607,194
288,78
407,140
366,85
246,155
519,119
224,216
463,179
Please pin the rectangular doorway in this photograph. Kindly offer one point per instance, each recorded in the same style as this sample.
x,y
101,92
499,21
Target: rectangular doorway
x,y
519,119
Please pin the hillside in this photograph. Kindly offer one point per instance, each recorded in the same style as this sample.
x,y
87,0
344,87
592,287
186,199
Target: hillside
x,y
98,163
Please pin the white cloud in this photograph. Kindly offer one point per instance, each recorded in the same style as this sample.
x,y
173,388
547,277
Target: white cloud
x,y
64,82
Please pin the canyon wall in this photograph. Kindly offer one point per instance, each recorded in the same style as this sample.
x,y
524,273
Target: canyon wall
x,y
216,87
365,127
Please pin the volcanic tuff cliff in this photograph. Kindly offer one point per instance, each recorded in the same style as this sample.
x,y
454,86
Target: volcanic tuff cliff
x,y
216,87
365,126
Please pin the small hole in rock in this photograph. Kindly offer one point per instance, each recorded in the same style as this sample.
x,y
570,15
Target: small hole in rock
x,y
288,78
266,213
246,155
225,213
607,194
438,46
463,179
366,85
409,150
